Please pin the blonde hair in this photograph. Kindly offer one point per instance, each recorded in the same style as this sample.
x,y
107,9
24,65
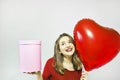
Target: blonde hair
x,y
59,57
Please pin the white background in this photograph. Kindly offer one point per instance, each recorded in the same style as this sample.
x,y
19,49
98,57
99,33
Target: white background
x,y
44,20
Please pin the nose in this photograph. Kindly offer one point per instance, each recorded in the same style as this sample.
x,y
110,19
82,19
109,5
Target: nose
x,y
68,45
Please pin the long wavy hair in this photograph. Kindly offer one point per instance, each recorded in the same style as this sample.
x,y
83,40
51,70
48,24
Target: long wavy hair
x,y
59,57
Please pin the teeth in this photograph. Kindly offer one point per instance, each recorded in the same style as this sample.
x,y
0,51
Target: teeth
x,y
69,49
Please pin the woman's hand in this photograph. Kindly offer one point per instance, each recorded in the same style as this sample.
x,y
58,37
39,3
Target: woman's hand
x,y
38,74
32,73
84,76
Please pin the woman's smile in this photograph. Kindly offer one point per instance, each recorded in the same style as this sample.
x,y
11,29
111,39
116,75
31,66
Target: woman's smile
x,y
68,49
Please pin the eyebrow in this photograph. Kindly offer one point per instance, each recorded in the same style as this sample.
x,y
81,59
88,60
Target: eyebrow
x,y
62,42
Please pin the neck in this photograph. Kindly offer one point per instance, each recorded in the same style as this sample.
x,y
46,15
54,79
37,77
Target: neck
x,y
68,59
67,63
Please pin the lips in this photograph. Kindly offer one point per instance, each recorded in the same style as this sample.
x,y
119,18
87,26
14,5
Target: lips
x,y
68,50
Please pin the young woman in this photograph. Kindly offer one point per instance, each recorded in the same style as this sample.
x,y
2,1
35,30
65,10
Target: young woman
x,y
65,64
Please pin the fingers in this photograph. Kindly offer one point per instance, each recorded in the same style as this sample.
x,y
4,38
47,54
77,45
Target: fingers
x,y
32,72
84,76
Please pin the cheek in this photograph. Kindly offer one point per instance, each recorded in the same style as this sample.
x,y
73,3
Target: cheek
x,y
73,49
62,48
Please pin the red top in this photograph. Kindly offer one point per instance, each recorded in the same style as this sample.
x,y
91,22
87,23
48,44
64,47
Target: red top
x,y
50,73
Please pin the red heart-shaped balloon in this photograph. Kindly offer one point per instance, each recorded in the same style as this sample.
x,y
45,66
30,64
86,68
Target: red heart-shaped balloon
x,y
96,45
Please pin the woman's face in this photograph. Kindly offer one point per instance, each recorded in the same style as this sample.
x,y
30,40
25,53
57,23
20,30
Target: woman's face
x,y
66,46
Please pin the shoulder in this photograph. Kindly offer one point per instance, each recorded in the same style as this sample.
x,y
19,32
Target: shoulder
x,y
50,60
50,63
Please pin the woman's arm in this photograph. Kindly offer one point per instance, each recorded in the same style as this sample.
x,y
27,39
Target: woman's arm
x,y
38,74
47,70
84,75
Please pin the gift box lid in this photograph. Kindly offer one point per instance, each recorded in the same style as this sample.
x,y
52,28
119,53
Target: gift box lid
x,y
30,42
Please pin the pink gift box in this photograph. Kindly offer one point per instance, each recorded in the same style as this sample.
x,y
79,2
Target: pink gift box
x,y
30,55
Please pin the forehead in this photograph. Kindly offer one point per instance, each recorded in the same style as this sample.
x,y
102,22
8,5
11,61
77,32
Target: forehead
x,y
63,39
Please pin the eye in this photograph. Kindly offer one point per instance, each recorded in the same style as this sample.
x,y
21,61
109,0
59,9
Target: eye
x,y
62,43
70,42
